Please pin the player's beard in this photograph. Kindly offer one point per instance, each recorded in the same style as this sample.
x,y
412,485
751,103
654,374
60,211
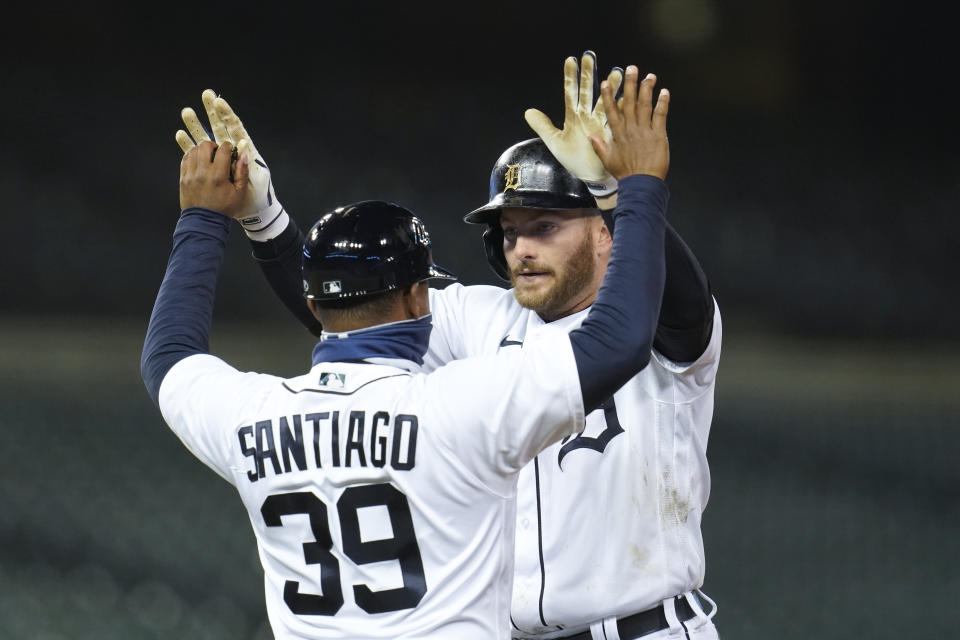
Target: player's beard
x,y
569,280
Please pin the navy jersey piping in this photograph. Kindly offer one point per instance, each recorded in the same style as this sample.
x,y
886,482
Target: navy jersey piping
x,y
343,393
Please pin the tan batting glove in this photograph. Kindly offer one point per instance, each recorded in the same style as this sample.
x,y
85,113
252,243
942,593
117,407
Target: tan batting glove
x,y
262,216
583,116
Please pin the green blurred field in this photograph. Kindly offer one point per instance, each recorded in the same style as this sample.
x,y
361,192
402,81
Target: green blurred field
x,y
834,511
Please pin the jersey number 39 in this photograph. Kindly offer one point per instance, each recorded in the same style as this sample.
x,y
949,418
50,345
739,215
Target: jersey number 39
x,y
402,547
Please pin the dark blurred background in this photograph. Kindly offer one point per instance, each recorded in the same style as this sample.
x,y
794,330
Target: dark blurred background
x,y
814,173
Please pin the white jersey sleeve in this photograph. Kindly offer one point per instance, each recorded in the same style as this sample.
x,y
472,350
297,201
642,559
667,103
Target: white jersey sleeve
x,y
681,381
202,394
463,319
523,401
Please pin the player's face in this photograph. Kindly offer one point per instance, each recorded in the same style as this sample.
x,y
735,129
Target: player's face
x,y
556,258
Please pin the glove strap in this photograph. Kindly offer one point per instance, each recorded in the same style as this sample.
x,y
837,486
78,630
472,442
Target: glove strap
x,y
601,189
267,224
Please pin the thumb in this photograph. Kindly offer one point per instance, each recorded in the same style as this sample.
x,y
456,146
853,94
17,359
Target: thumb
x,y
600,147
245,147
540,123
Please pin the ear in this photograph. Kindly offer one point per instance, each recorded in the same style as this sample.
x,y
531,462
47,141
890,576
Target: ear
x,y
416,300
312,305
603,239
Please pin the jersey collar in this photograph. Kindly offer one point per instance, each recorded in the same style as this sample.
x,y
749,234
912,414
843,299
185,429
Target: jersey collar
x,y
398,344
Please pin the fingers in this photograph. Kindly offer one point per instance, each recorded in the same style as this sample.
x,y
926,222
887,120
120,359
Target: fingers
x,y
615,80
205,153
636,105
611,109
184,162
220,133
185,142
222,158
540,123
628,104
639,144
571,87
192,122
588,63
659,123
230,120
205,178
192,159
645,99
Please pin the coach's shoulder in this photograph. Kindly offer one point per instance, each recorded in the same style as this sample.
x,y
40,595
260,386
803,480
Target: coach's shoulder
x,y
470,296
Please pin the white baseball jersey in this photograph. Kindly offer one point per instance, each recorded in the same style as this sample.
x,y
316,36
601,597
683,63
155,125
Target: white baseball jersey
x,y
383,500
608,522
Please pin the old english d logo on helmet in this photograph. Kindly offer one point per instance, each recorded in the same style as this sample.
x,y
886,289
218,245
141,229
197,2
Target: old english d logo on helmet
x,y
512,177
527,176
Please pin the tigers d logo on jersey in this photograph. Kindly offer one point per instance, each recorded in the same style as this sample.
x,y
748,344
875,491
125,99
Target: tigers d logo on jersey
x,y
596,443
512,177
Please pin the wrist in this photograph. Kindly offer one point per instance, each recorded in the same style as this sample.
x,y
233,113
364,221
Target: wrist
x,y
266,224
602,188
642,192
608,202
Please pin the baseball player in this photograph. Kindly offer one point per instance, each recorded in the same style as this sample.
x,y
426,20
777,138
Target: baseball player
x,y
382,499
635,570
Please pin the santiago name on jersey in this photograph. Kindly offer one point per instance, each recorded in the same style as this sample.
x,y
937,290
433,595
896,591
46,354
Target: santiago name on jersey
x,y
383,500
608,521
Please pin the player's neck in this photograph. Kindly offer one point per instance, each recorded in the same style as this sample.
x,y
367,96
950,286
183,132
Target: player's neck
x,y
403,340
347,324
576,305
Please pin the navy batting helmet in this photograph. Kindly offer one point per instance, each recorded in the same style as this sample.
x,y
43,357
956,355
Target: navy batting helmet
x,y
526,176
366,248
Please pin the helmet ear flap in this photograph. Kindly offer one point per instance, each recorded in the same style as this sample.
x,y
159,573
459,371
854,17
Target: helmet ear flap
x,y
493,247
607,215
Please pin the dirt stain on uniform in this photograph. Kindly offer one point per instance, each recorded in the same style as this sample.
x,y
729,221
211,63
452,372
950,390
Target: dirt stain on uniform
x,y
640,557
674,508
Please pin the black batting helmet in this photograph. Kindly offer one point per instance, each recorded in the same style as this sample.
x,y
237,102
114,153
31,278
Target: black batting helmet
x,y
366,248
526,176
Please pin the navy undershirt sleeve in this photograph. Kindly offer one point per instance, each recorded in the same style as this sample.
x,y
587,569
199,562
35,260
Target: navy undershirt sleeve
x,y
615,339
183,312
280,261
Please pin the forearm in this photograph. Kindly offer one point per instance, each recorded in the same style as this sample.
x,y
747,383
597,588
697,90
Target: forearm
x,y
280,259
183,312
615,339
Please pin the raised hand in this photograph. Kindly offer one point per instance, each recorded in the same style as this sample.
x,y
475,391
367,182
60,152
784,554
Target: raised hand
x,y
205,178
260,207
639,129
583,117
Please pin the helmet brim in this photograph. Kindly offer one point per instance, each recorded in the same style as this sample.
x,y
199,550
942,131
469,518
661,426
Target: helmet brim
x,y
546,201
439,273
